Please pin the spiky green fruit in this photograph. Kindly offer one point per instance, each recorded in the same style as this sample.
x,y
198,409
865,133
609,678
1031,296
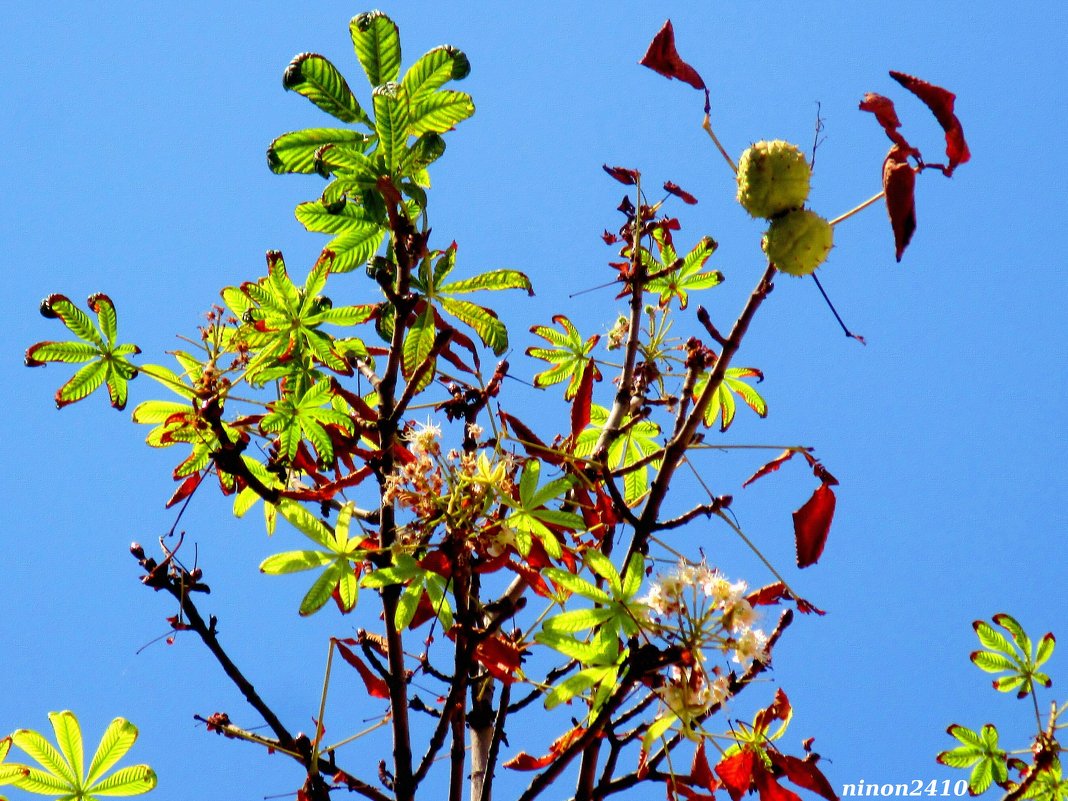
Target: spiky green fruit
x,y
798,242
773,177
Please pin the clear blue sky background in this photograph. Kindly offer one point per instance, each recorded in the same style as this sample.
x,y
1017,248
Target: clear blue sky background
x,y
133,163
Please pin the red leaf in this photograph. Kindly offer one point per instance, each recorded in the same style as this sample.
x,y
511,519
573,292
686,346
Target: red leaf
x,y
185,489
622,174
812,523
524,761
580,406
883,109
376,685
736,773
770,790
680,193
804,773
663,58
941,102
770,467
501,657
773,593
700,771
899,183
530,441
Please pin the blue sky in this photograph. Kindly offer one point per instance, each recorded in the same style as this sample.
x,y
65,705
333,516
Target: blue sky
x,y
134,165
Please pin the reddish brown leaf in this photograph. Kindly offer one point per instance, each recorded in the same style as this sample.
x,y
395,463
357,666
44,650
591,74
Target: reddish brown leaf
x,y
773,593
812,523
771,466
622,174
941,102
524,761
883,109
736,773
530,441
899,183
580,406
185,489
663,58
376,685
680,193
804,773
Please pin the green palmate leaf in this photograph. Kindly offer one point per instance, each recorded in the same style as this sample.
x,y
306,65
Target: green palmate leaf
x,y
391,123
319,592
578,684
69,352
992,662
417,346
490,330
603,567
492,280
296,151
577,585
722,405
1019,636
433,70
569,355
118,738
981,750
358,170
578,620
427,149
62,769
358,237
597,652
82,383
376,41
439,112
991,638
320,81
294,562
1045,649
132,780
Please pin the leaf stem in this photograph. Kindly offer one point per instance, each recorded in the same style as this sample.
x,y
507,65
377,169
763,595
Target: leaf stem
x,y
707,125
858,209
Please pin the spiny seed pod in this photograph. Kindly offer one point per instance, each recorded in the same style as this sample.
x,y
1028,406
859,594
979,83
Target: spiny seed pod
x,y
798,242
773,177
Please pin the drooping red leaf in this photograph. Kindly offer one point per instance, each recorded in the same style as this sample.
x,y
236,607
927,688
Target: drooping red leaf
x,y
437,562
812,523
622,174
899,184
663,58
804,773
883,109
941,102
530,441
376,685
680,193
736,773
185,489
771,466
769,789
524,761
580,406
700,771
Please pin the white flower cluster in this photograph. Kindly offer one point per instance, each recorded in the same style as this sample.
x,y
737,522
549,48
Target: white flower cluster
x,y
700,609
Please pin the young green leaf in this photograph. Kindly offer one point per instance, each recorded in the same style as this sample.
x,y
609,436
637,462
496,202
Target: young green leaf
x,y
297,151
569,355
107,365
320,81
376,39
981,750
61,771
